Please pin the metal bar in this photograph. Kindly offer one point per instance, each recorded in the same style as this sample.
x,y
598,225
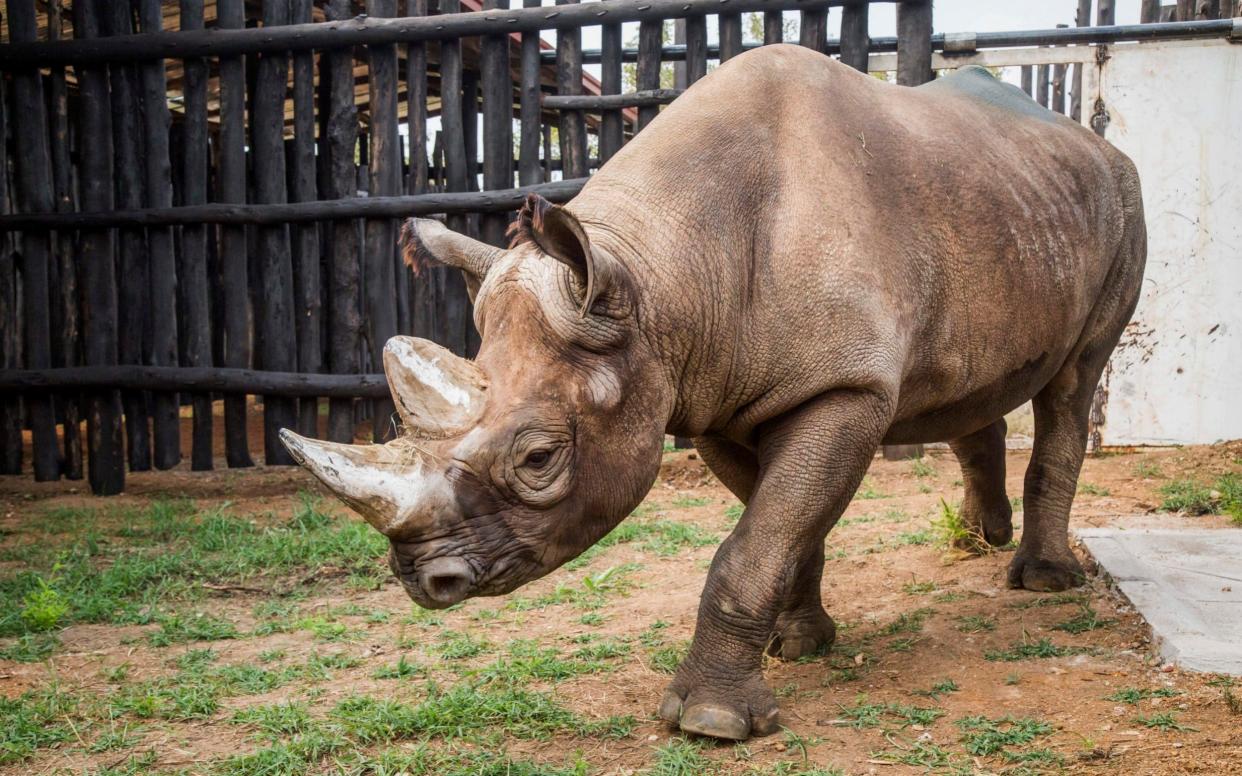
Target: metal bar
x,y
195,379
363,31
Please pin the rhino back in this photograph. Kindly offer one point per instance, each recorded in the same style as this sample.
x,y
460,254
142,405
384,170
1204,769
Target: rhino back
x,y
798,226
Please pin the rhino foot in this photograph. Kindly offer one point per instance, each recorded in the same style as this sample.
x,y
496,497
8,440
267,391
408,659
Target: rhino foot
x,y
802,633
1046,575
734,713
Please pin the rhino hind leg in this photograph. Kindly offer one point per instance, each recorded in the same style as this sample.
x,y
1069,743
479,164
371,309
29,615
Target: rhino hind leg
x,y
804,628
986,510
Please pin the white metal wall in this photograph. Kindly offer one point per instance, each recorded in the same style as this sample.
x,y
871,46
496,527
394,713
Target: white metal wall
x,y
1176,110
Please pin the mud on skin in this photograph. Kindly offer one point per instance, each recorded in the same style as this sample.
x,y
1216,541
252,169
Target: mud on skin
x,y
792,300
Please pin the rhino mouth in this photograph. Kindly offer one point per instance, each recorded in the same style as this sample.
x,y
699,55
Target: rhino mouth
x,y
441,582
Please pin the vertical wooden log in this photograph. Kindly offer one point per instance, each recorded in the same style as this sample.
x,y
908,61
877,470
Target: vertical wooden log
x,y
131,248
497,125
528,155
416,105
455,313
345,316
303,188
813,32
647,72
914,31
1106,12
1149,12
161,260
11,442
696,48
192,273
106,457
66,330
470,128
278,347
679,68
1043,94
234,261
730,36
773,27
1028,80
569,81
855,38
612,129
1058,88
1082,19
1185,10
547,152
33,168
381,237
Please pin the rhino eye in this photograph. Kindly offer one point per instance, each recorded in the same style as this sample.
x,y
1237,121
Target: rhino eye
x,y
537,459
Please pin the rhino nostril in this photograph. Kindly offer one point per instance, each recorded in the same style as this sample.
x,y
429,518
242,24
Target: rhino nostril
x,y
446,580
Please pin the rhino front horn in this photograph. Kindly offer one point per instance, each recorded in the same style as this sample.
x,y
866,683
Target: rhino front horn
x,y
438,394
391,485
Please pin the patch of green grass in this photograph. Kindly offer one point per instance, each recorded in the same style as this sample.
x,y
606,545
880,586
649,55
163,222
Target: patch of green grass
x,y
976,623
179,628
867,490
1026,650
690,502
1146,470
680,757
666,659
591,618
1134,695
1057,599
1187,496
984,737
1092,490
921,754
953,533
33,720
114,738
921,468
907,622
402,669
1087,619
943,687
1164,722
734,513
460,645
865,715
43,607
276,720
528,661
30,648
918,588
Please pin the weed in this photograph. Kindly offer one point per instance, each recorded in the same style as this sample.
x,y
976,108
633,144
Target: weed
x,y
1187,496
921,753
953,533
33,720
30,648
689,502
921,467
1145,470
591,618
179,628
976,623
907,622
680,757
279,719
865,715
1087,619
943,687
983,737
43,607
1231,701
402,669
457,645
1025,650
734,513
1133,695
666,659
1057,599
113,739
918,588
1165,722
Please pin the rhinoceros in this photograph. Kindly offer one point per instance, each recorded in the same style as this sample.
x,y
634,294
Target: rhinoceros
x,y
794,264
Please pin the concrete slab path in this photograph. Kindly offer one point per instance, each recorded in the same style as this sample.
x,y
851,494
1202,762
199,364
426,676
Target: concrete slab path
x,y
1187,584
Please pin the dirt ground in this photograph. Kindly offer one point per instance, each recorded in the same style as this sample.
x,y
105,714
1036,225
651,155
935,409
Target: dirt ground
x,y
938,666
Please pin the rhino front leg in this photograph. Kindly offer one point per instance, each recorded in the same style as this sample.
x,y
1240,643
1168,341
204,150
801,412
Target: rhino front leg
x,y
986,509
811,461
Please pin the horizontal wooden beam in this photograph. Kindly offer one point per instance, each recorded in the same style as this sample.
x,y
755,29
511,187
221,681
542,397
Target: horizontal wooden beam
x,y
595,102
298,212
365,31
195,380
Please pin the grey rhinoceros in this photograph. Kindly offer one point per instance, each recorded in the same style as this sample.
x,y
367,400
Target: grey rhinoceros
x,y
794,264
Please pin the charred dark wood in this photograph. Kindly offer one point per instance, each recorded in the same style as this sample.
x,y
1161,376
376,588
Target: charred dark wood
x,y
276,330
569,83
345,293
1082,19
1043,77
731,35
303,188
497,125
362,31
1106,12
234,259
105,452
647,75
381,233
528,94
612,123
1149,11
416,105
11,441
33,167
198,379
813,31
696,48
454,313
67,331
1058,88
855,40
131,242
1028,80
297,212
193,289
773,27
470,126
601,102
914,47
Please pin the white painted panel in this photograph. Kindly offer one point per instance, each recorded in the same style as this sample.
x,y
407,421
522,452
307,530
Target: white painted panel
x,y
1176,110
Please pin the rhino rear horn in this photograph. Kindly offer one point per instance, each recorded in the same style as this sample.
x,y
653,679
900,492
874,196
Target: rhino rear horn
x,y
425,239
438,394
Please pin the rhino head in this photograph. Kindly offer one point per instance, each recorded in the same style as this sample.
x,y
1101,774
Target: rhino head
x,y
509,465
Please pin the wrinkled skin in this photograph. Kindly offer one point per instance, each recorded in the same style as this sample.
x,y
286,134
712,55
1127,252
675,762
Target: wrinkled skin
x,y
794,264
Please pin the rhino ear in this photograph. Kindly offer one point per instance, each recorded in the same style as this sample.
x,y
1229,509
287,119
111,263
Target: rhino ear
x,y
425,239
560,235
